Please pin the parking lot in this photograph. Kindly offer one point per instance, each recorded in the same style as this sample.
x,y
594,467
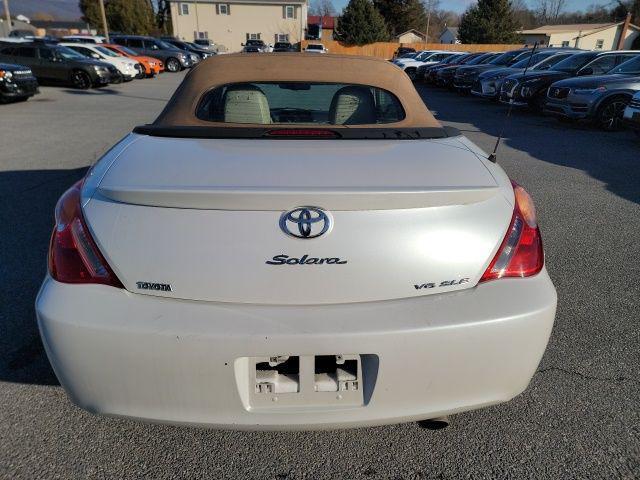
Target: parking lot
x,y
579,418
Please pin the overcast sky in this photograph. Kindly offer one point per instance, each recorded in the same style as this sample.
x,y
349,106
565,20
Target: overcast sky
x,y
461,5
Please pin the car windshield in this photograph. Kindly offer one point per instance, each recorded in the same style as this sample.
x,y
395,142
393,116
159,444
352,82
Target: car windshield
x,y
630,67
423,55
531,60
505,58
574,62
300,103
409,55
549,62
106,51
482,59
164,45
127,50
314,47
69,54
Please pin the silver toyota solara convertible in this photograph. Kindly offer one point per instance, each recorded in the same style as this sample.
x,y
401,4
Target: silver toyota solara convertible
x,y
294,243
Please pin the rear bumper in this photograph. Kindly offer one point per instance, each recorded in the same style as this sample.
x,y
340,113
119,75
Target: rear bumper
x,y
178,361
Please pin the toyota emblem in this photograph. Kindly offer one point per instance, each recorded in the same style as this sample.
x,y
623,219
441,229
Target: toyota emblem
x,y
305,222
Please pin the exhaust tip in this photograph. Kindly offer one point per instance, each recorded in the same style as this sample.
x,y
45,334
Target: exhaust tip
x,y
437,423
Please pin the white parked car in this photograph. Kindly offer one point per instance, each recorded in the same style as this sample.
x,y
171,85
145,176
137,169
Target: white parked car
x,y
294,243
426,57
316,48
128,68
84,38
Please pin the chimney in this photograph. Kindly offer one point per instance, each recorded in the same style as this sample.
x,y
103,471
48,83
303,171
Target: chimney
x,y
623,33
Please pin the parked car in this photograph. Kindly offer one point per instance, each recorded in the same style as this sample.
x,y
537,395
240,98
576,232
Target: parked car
x,y
16,83
57,64
316,48
128,68
174,60
401,51
599,98
197,53
255,46
423,70
84,39
411,65
446,75
431,72
206,44
632,114
283,47
152,66
530,90
466,76
414,287
489,82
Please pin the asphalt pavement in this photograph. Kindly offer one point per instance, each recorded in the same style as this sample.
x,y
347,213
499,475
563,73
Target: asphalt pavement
x,y
579,418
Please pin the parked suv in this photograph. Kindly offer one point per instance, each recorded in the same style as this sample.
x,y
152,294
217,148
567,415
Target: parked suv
x,y
530,90
57,64
632,114
466,76
197,53
173,58
446,75
283,47
601,98
16,82
489,82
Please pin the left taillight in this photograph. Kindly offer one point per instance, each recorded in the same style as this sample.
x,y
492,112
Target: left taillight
x,y
73,255
521,253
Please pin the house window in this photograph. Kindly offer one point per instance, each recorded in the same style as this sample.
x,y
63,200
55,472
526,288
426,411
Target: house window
x,y
253,36
223,9
565,43
282,37
599,44
184,9
289,11
200,35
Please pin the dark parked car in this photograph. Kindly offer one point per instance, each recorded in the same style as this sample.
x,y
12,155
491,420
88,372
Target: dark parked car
x,y
283,47
600,98
431,72
190,48
56,64
632,114
16,83
465,76
253,46
489,82
174,59
403,51
452,59
445,76
530,90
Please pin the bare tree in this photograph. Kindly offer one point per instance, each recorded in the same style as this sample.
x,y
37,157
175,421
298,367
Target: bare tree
x,y
323,8
549,10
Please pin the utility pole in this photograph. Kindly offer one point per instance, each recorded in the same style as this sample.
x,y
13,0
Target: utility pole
x,y
7,14
104,21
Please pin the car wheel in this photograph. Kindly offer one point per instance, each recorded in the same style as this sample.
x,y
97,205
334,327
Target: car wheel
x,y
609,116
173,65
81,80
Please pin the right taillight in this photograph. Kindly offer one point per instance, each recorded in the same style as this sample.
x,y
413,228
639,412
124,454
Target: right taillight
x,y
73,255
520,254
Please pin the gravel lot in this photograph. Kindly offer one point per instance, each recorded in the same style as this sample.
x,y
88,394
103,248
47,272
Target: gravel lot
x,y
580,417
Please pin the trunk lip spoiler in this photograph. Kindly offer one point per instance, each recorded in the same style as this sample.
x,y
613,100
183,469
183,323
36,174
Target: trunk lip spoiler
x,y
261,133
280,199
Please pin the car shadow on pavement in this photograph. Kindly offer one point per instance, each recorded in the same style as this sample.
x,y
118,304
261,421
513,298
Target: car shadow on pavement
x,y
110,91
574,145
27,204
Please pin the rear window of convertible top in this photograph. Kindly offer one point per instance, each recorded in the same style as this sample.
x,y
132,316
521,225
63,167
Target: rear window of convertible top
x,y
300,103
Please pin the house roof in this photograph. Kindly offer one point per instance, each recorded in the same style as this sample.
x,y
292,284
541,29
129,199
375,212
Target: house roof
x,y
576,27
412,30
327,22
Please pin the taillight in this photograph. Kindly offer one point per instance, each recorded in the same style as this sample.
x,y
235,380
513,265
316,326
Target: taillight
x,y
73,255
520,254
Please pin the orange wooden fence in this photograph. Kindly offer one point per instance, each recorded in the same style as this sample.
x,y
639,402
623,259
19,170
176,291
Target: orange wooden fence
x,y
386,49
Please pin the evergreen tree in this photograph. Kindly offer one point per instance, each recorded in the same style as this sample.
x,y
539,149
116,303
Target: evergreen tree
x,y
91,13
402,15
360,24
130,16
489,21
163,17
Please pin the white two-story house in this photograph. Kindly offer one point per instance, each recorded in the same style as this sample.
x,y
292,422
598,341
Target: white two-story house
x,y
231,23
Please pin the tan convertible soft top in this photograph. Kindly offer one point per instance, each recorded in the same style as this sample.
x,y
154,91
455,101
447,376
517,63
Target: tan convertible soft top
x,y
293,67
